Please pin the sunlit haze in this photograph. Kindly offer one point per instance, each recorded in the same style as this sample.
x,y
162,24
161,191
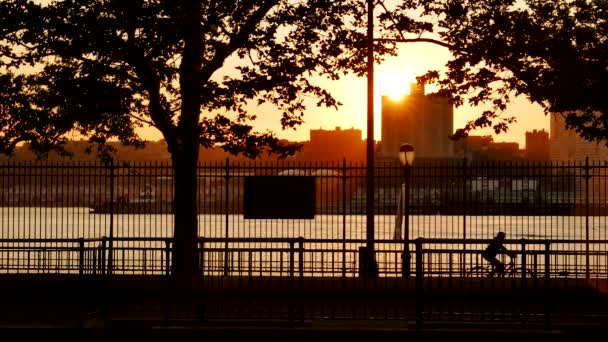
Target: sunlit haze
x,y
413,60
393,77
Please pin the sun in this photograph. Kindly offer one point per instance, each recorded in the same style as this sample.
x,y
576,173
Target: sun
x,y
393,83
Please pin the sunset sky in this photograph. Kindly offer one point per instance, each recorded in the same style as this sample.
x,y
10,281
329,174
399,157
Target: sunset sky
x,y
392,76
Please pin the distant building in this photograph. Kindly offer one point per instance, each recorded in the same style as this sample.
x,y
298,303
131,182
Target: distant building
x,y
566,144
334,145
537,145
339,138
483,147
425,121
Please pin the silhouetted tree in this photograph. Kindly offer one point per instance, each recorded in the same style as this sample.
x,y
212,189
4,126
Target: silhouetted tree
x,y
190,68
553,52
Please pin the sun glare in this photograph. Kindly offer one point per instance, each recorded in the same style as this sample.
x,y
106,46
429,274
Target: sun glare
x,y
394,84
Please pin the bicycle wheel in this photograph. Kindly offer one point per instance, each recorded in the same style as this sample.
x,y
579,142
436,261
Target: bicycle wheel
x,y
478,272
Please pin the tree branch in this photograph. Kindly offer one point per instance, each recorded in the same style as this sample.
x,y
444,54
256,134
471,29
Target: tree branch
x,y
224,52
151,83
421,40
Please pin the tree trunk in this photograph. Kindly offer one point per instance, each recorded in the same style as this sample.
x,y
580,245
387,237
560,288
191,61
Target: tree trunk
x,y
185,231
184,149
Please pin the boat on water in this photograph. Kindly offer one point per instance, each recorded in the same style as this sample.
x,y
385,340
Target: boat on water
x,y
147,202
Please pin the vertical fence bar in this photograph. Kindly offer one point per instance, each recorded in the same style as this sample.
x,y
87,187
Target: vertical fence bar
x,y
344,218
103,255
524,264
168,255
81,252
587,176
419,284
201,258
226,204
291,281
463,207
111,241
301,259
547,286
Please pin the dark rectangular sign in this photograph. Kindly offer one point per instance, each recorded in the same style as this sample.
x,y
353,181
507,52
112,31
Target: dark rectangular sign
x,y
280,197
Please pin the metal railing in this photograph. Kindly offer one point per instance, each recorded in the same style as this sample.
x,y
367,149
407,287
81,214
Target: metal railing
x,y
284,257
297,279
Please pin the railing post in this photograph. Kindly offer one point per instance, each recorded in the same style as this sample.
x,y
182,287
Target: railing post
x,y
201,267
167,256
103,255
524,264
587,176
226,232
301,259
419,284
291,281
547,286
81,253
344,218
524,282
96,259
111,241
301,278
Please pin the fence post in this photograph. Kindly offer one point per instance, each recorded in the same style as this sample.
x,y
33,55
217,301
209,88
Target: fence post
x,y
547,286
201,256
81,252
111,241
167,256
291,281
344,218
419,288
226,191
587,176
96,259
102,256
524,264
464,211
301,278
524,282
301,259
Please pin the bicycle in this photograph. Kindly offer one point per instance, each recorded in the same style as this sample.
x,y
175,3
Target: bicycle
x,y
510,270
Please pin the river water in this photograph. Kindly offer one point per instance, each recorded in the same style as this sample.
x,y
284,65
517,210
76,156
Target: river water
x,y
74,222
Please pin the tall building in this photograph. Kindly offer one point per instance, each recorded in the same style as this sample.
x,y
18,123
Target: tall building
x,y
566,144
537,145
425,121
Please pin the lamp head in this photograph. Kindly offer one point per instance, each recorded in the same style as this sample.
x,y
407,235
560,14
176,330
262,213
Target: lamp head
x,y
406,154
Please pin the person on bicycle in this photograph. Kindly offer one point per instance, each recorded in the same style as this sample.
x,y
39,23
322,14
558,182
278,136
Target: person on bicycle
x,y
494,248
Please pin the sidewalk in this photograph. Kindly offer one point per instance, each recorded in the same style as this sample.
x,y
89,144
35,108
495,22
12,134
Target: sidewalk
x,y
331,330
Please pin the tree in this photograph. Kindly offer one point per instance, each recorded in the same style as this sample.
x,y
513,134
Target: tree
x,y
551,51
102,68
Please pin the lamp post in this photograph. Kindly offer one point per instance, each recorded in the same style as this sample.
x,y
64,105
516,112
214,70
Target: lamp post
x,y
406,157
368,266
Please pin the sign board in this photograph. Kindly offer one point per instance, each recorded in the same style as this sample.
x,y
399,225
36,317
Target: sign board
x,y
279,197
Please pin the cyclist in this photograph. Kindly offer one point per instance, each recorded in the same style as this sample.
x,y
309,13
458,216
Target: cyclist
x,y
494,248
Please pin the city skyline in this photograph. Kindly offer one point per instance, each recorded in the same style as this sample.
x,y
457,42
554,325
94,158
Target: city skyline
x,y
413,60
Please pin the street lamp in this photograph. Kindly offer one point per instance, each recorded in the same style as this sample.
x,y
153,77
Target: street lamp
x,y
406,157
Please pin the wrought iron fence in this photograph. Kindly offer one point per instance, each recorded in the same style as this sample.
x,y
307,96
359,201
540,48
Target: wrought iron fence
x,y
454,199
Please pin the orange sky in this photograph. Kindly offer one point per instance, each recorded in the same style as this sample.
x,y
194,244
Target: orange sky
x,y
398,72
413,59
